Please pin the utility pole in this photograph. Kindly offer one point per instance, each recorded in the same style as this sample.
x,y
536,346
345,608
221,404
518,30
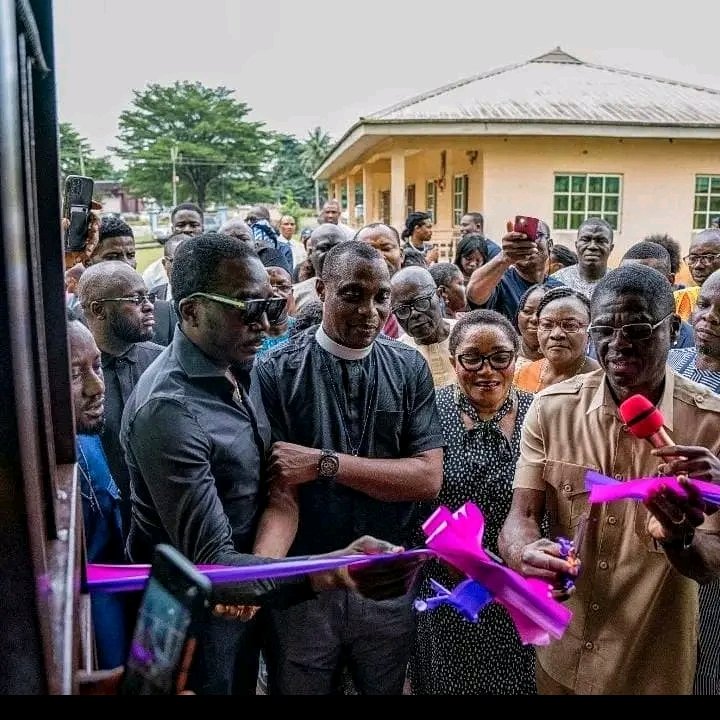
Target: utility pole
x,y
82,161
173,157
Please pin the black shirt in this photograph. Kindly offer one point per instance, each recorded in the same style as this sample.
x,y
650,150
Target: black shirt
x,y
389,393
195,446
121,373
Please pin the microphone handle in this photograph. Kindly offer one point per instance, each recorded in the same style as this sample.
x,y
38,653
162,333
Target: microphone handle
x,y
660,439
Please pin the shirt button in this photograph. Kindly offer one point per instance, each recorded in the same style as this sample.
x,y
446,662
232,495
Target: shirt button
x,y
618,477
603,565
567,488
612,520
589,645
595,607
699,398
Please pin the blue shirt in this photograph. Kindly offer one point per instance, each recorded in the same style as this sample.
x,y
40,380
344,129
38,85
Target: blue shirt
x,y
505,298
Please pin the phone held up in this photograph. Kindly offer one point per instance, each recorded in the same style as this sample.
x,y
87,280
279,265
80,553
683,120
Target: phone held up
x,y
175,601
527,225
77,202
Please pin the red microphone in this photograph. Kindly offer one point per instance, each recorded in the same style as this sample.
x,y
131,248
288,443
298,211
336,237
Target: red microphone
x,y
645,421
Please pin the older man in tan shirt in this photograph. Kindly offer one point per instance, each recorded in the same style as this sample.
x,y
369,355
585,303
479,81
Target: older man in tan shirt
x,y
635,607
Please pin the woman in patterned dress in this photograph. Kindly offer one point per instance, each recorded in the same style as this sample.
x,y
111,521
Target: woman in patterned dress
x,y
481,417
702,364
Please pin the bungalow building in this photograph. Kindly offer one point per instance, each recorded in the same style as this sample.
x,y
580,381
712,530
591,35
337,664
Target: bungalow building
x,y
553,137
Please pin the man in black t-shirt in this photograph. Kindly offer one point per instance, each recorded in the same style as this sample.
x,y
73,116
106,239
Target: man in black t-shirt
x,y
357,444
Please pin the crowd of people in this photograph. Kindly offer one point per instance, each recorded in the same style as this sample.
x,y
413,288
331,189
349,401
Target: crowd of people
x,y
267,391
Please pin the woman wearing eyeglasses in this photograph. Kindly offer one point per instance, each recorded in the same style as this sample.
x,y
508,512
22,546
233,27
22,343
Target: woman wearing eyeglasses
x,y
481,417
562,318
702,364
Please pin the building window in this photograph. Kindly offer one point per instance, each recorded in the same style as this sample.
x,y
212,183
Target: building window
x,y
581,196
431,199
343,197
409,199
460,198
707,201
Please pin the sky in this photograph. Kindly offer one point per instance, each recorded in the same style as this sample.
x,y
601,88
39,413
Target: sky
x,y
303,63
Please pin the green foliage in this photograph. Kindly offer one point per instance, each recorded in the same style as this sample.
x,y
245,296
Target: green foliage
x,y
291,207
315,148
287,175
221,156
76,157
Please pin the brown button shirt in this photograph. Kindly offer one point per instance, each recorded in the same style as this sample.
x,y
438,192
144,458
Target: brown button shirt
x,y
634,623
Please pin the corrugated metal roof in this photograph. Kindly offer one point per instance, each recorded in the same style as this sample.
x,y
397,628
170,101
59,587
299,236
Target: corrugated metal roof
x,y
557,87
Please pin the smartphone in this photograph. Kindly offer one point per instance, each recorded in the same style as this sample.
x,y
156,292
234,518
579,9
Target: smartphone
x,y
174,602
77,202
527,225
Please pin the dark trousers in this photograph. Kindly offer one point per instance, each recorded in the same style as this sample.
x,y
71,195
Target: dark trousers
x,y
310,643
226,658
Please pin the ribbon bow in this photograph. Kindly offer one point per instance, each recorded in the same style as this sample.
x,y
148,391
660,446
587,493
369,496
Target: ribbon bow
x,y
456,538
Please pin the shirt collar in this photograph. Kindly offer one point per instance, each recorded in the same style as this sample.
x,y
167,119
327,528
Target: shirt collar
x,y
340,351
194,362
109,361
603,399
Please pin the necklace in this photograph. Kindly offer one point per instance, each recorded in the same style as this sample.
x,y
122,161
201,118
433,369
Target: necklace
x,y
354,449
543,371
91,497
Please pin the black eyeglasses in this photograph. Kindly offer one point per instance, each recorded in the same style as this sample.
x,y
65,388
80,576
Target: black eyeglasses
x,y
421,304
473,362
702,259
634,332
568,325
253,310
134,299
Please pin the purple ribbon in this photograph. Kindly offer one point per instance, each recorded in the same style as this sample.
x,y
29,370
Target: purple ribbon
x,y
124,578
457,539
607,489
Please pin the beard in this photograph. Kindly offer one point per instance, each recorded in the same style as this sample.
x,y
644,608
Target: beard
x,y
130,330
94,428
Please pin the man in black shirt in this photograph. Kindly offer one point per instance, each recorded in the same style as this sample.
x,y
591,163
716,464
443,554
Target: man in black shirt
x,y
119,313
195,436
357,444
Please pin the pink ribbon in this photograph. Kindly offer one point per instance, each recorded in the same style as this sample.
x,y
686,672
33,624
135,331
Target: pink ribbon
x,y
607,489
457,537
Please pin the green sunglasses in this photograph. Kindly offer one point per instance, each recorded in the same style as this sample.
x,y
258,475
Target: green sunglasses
x,y
253,310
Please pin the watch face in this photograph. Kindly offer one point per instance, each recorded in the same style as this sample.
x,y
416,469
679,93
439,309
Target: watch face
x,y
328,466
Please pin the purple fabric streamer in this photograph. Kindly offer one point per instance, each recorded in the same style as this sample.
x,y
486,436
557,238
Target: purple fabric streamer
x,y
125,578
457,539
607,489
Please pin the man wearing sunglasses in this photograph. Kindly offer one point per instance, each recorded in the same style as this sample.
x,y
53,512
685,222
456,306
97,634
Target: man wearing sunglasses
x,y
195,436
119,312
357,446
635,600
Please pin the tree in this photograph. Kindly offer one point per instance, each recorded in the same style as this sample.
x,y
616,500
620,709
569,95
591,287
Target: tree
x,y
315,149
287,174
76,157
218,150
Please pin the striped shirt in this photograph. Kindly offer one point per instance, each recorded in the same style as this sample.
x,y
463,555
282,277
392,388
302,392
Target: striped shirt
x,y
707,672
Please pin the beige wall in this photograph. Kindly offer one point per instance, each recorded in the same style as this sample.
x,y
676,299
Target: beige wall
x,y
516,175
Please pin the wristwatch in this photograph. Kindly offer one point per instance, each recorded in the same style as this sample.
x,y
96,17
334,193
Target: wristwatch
x,y
328,464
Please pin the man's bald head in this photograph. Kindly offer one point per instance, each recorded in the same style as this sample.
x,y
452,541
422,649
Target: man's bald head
x,y
323,238
239,229
414,276
112,278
